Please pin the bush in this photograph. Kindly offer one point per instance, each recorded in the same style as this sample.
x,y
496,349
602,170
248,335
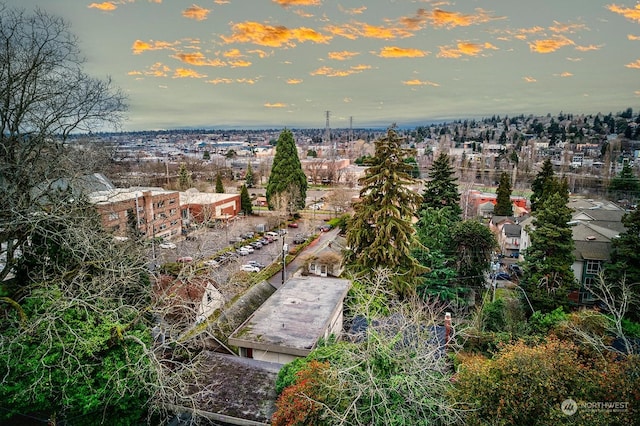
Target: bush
x,y
541,324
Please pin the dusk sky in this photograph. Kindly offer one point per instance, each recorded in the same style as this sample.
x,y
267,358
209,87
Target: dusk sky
x,y
283,63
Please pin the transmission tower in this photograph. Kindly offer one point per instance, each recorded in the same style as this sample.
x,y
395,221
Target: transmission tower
x,y
350,129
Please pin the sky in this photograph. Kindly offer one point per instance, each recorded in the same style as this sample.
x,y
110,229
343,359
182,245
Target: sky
x,y
369,63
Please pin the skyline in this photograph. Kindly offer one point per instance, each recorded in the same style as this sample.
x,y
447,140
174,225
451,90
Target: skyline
x,y
284,63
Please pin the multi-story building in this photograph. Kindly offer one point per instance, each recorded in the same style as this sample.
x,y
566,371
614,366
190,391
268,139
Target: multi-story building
x,y
204,207
154,212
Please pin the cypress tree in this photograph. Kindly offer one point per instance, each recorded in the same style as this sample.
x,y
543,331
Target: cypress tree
x,y
287,177
503,197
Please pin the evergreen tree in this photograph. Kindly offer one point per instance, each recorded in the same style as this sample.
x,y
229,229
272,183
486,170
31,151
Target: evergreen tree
x,y
503,197
548,277
184,177
380,233
219,186
287,176
248,177
541,183
245,201
626,184
625,255
473,244
442,188
206,156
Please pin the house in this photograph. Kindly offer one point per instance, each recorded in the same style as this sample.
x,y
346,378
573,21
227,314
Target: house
x,y
509,240
204,207
327,261
290,323
187,300
153,212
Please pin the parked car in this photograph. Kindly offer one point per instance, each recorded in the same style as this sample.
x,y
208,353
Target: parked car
x,y
503,276
185,259
212,263
256,264
293,225
324,228
249,268
256,245
242,251
167,245
299,239
516,269
248,248
271,234
235,240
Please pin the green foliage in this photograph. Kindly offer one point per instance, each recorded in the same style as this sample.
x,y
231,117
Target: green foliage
x,y
503,206
473,243
289,372
625,256
287,176
548,277
249,179
184,177
380,233
493,315
245,201
541,184
441,190
541,324
631,328
219,185
625,182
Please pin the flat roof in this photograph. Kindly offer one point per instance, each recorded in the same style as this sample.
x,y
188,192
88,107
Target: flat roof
x,y
294,317
204,197
123,194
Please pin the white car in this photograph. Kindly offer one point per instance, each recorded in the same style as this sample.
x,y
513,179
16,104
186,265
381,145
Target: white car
x,y
249,268
242,251
248,248
167,246
211,263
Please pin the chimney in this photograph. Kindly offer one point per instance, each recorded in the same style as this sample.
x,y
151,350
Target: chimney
x,y
447,327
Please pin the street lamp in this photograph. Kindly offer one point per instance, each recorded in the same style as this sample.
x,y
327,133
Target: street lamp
x,y
285,248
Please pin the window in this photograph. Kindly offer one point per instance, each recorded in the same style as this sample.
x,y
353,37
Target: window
x,y
172,212
160,204
593,267
172,201
113,216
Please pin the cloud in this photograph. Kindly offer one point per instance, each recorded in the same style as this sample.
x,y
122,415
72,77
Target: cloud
x,y
562,28
416,82
356,30
275,105
443,18
198,59
550,45
352,11
287,3
529,79
332,72
633,37
233,53
563,74
267,35
261,53
220,81
630,14
589,48
221,1
239,63
106,6
196,12
342,56
157,70
637,92
294,81
140,46
187,73
464,48
399,52
635,64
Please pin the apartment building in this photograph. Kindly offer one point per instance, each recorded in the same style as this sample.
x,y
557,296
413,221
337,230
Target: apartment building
x,y
154,212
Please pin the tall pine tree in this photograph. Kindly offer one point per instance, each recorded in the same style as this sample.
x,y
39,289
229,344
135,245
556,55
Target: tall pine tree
x,y
441,190
249,179
219,186
503,197
287,177
245,201
548,278
380,233
541,184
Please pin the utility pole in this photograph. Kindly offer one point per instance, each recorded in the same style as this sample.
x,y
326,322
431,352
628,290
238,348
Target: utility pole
x,y
285,248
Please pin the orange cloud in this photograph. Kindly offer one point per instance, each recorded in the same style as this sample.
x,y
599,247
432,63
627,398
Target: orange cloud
x,y
303,14
443,18
187,73
464,48
140,46
294,81
221,1
196,12
399,52
106,6
275,105
635,64
266,35
233,53
158,70
198,59
361,67
220,81
630,14
559,27
287,3
529,79
332,72
550,45
134,73
564,74
588,48
341,56
416,82
352,11
361,29
633,37
240,63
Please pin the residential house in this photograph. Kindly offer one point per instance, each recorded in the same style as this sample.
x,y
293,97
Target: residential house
x,y
328,261
509,240
290,323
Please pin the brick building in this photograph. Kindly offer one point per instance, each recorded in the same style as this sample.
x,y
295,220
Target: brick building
x,y
202,207
155,212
